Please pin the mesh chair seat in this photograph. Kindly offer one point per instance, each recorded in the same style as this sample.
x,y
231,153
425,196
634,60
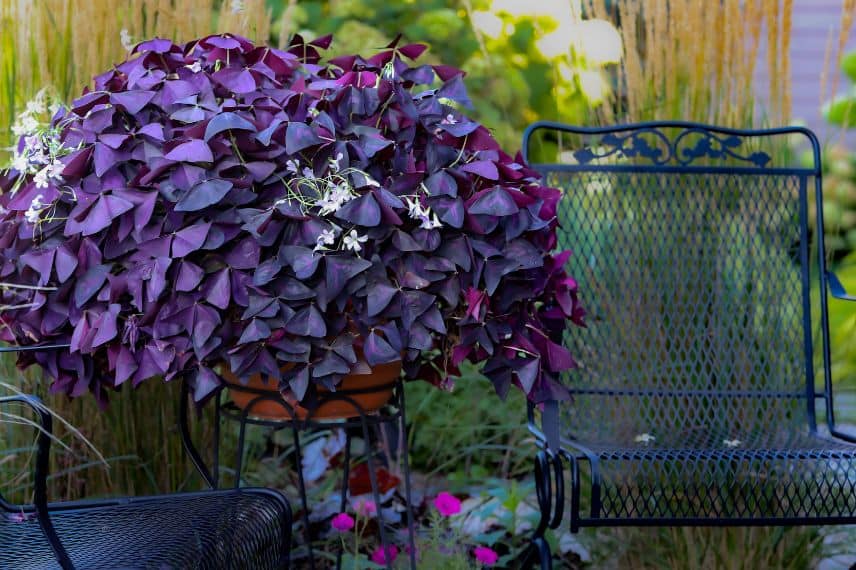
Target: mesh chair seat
x,y
209,530
704,474
694,396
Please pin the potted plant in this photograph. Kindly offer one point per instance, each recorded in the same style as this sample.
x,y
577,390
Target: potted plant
x,y
222,206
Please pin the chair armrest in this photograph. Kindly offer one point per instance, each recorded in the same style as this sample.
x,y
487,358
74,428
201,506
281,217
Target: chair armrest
x,y
836,288
40,494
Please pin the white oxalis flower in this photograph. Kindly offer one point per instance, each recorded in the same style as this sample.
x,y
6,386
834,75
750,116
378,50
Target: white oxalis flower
x,y
20,162
353,241
41,177
34,212
25,125
333,198
430,223
325,238
417,211
125,38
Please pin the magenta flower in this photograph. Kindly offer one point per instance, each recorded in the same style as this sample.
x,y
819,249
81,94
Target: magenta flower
x,y
487,556
342,522
447,504
380,557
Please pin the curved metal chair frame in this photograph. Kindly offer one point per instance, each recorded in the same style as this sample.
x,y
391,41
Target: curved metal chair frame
x,y
236,528
694,398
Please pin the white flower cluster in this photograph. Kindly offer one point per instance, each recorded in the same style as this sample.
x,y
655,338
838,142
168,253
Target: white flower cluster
x,y
352,241
39,155
34,212
28,121
417,211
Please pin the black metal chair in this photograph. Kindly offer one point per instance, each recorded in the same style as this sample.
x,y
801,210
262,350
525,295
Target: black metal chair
x,y
694,397
237,528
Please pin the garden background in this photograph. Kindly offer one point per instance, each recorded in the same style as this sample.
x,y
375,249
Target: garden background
x,y
588,62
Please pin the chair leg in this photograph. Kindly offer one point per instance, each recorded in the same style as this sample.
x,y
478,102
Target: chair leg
x,y
544,555
549,488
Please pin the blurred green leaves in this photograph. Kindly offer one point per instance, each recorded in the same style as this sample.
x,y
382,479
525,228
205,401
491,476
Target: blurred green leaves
x,y
523,62
841,111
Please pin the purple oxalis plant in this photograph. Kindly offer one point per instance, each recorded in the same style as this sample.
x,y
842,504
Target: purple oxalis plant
x,y
221,203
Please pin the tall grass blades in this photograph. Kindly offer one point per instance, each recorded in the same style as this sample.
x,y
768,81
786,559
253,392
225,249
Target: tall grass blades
x,y
696,60
61,44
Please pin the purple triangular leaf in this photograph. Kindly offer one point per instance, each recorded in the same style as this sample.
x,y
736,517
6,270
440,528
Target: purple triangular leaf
x,y
227,122
204,194
194,150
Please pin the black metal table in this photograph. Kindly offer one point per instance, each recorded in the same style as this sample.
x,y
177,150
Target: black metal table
x,y
364,422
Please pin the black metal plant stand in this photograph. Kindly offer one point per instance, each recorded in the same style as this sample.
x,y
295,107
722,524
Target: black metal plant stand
x,y
363,421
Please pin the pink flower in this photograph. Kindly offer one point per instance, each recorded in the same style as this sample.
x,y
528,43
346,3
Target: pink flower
x,y
365,507
487,556
342,522
447,504
380,557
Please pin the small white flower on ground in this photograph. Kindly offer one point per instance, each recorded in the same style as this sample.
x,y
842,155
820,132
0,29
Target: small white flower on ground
x,y
353,240
195,67
34,212
292,166
449,120
644,438
335,164
570,543
125,38
308,173
327,237
732,442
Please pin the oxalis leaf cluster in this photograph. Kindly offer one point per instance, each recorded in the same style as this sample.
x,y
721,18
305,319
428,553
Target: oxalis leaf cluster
x,y
219,203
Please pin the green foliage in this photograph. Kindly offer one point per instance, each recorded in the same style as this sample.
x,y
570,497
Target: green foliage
x,y
842,329
841,111
736,548
466,435
510,80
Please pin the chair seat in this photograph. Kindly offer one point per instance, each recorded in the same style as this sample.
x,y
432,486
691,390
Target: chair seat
x,y
724,476
214,529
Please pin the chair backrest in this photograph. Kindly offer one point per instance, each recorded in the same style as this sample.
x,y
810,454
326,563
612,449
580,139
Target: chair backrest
x,y
691,248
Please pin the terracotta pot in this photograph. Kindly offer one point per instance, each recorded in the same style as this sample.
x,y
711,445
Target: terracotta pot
x,y
366,378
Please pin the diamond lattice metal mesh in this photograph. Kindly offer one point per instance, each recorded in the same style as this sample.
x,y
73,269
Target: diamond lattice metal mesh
x,y
232,529
691,387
